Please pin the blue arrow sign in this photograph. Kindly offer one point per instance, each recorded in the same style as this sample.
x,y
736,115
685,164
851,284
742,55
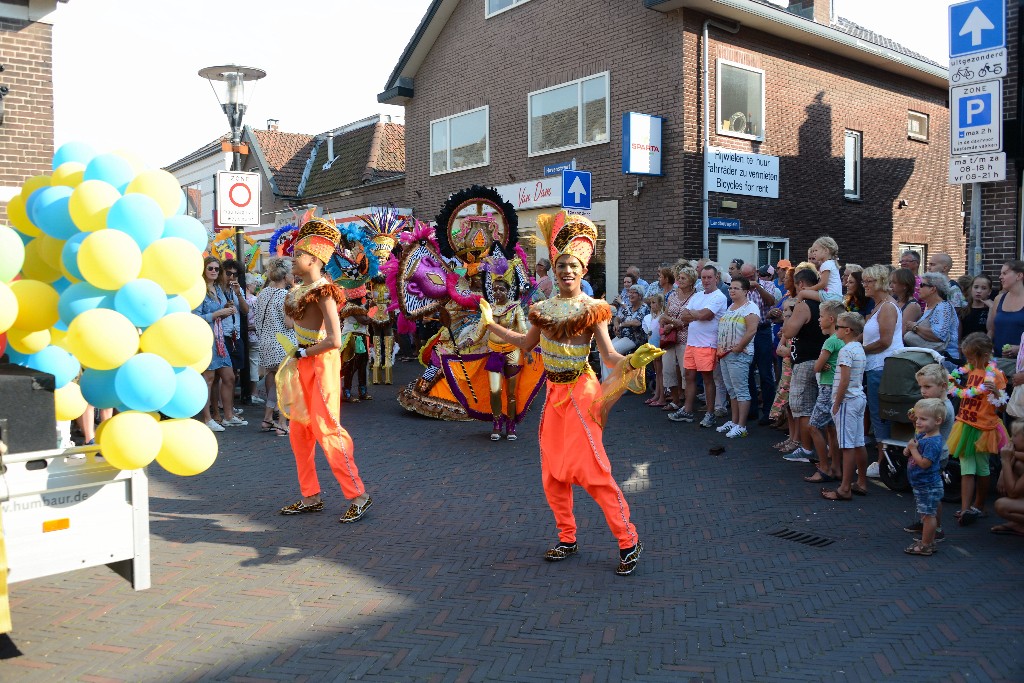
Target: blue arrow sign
x,y
976,26
576,190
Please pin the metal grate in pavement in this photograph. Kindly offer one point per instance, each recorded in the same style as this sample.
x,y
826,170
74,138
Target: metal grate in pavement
x,y
812,540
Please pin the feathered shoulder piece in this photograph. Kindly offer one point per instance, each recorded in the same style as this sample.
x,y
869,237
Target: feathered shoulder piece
x,y
299,298
420,232
567,318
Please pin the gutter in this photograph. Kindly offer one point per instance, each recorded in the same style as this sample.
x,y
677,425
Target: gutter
x,y
705,194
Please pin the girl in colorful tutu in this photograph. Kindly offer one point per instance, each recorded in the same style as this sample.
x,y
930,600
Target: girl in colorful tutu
x,y
978,432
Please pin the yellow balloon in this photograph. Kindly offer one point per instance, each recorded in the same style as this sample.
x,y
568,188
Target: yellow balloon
x,y
26,342
18,216
69,173
161,186
102,339
203,363
68,276
37,305
35,266
138,164
90,202
9,308
130,440
195,294
49,250
173,263
36,182
189,447
68,401
182,339
109,259
57,337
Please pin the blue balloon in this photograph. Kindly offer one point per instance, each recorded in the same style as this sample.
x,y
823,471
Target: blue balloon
x,y
73,151
190,394
98,388
69,254
24,238
30,203
110,168
141,301
182,205
50,211
145,382
81,297
187,228
139,216
17,357
177,304
56,361
61,284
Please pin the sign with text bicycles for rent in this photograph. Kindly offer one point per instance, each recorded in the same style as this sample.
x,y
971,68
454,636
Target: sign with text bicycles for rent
x,y
977,41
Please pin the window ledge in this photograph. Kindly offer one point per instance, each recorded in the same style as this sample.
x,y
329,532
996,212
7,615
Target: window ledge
x,y
460,168
853,200
564,149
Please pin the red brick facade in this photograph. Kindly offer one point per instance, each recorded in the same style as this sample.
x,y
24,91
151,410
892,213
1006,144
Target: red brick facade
x,y
26,136
653,60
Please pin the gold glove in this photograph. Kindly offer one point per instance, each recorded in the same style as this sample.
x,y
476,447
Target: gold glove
x,y
644,355
486,317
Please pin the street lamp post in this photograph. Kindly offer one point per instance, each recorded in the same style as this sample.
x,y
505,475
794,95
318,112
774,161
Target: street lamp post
x,y
233,103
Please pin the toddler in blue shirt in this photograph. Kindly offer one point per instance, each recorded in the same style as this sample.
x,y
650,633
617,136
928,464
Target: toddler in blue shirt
x,y
924,471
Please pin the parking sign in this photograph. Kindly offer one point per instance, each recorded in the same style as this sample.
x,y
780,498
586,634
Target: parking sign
x,y
977,116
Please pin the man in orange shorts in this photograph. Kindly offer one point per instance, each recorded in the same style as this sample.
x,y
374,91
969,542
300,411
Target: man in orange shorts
x,y
702,313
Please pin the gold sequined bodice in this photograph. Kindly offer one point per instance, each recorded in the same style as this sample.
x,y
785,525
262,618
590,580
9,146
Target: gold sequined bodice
x,y
564,363
307,337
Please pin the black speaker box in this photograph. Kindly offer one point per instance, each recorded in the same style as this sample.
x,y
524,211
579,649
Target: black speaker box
x,y
27,418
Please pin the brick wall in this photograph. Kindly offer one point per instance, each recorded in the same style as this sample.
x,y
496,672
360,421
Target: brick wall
x,y
653,60
26,136
1000,212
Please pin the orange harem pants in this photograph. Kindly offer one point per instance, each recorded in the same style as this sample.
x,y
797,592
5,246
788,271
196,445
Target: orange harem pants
x,y
572,452
320,379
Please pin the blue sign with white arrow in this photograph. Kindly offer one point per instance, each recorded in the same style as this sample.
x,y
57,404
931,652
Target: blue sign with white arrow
x,y
576,190
976,26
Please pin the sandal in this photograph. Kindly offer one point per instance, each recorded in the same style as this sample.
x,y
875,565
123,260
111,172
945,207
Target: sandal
x,y
266,426
670,406
858,490
786,446
822,477
920,548
281,431
834,495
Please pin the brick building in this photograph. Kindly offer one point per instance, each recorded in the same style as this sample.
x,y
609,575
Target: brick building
x,y
26,110
344,172
495,90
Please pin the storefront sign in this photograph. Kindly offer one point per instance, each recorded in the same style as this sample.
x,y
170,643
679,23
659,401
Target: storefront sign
x,y
641,143
732,172
533,194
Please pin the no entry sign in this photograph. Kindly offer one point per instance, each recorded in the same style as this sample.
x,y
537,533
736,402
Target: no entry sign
x,y
238,198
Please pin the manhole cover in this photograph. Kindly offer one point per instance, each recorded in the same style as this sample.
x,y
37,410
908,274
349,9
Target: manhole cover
x,y
802,537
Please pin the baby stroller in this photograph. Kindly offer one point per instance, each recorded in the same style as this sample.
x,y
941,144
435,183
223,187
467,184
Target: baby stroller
x,y
897,394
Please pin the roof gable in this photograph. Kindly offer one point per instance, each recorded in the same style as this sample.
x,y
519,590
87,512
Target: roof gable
x,y
283,157
363,154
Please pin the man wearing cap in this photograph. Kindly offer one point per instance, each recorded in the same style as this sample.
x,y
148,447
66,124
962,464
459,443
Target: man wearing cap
x,y
763,294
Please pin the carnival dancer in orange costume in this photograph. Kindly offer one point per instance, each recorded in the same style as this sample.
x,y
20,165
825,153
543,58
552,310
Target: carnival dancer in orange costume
x,y
309,380
577,405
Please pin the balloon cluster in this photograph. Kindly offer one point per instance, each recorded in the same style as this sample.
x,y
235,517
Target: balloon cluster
x,y
98,279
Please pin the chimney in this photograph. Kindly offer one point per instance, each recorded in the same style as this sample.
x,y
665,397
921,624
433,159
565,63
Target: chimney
x,y
272,124
330,146
819,11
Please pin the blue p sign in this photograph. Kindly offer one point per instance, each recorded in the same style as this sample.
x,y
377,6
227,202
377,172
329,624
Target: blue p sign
x,y
976,110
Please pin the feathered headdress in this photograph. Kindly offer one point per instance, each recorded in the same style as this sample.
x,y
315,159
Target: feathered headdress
x,y
568,233
475,222
319,237
383,226
353,261
282,242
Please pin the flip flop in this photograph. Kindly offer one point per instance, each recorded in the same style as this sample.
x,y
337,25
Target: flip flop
x,y
857,490
266,426
1006,530
833,494
823,477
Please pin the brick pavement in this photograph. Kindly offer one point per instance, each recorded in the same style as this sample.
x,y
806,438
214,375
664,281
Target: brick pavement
x,y
443,580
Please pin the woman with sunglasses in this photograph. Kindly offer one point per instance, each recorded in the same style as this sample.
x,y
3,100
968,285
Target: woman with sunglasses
x,y
218,310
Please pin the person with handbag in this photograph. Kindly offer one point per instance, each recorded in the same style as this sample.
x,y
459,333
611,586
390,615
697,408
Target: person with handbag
x,y
672,336
938,328
652,328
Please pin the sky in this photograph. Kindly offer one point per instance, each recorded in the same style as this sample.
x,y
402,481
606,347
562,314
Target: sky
x,y
126,71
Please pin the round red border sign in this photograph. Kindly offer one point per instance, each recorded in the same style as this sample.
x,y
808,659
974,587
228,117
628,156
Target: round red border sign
x,y
248,195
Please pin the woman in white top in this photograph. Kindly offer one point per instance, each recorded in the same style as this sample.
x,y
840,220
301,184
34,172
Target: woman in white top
x,y
883,336
736,330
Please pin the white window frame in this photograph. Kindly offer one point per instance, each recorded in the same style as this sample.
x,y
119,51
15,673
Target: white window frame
x,y
579,114
448,119
857,192
718,100
927,126
488,13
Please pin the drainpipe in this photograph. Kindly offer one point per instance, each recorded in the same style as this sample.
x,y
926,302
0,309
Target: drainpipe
x,y
705,249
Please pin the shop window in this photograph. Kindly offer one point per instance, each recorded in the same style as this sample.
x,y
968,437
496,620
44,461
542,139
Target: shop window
x,y
740,101
459,142
492,7
917,126
852,157
571,115
193,199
